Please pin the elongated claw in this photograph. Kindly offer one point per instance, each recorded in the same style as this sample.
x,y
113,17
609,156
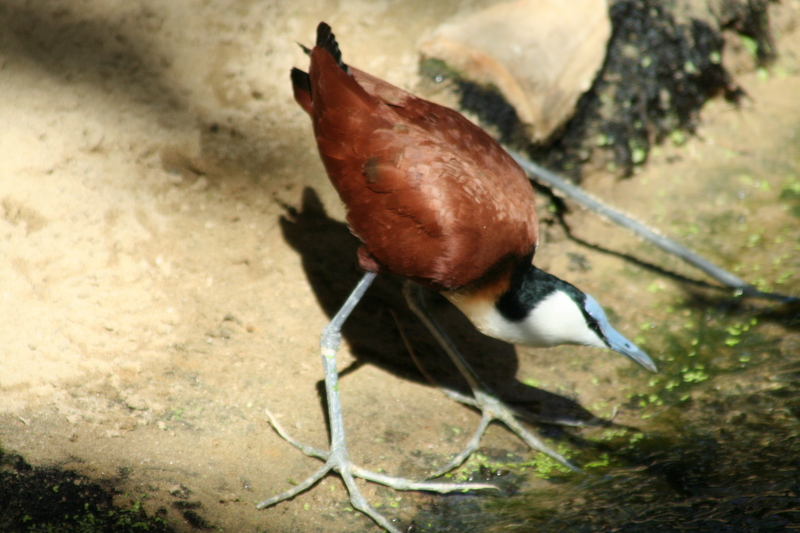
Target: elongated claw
x,y
338,458
340,463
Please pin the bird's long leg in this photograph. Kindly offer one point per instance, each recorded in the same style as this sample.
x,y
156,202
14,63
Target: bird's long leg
x,y
490,406
575,193
338,458
469,400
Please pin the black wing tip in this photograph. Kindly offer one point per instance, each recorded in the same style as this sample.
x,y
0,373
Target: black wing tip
x,y
301,80
327,40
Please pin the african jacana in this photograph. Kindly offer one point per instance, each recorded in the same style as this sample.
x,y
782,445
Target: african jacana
x,y
436,200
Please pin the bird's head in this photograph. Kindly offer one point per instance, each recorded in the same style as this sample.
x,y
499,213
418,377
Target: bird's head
x,y
539,309
568,316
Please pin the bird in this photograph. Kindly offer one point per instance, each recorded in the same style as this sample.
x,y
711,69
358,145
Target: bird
x,y
437,201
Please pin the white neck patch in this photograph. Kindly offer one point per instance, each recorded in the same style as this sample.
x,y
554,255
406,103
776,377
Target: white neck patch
x,y
555,320
559,320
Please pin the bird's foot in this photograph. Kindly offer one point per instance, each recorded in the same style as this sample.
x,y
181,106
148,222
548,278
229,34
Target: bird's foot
x,y
492,408
338,460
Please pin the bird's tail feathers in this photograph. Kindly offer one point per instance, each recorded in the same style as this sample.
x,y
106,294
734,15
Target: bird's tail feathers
x,y
327,40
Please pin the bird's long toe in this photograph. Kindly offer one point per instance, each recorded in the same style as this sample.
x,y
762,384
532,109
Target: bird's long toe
x,y
491,409
338,460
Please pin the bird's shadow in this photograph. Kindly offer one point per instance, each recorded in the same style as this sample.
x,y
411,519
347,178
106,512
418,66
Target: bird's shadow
x,y
382,323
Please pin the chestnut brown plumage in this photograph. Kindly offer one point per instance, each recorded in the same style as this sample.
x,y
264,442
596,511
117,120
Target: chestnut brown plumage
x,y
436,200
432,197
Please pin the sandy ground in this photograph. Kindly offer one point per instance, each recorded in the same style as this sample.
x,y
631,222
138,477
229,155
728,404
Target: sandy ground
x,y
170,250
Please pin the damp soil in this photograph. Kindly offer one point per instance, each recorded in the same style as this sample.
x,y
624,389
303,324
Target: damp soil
x,y
171,249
